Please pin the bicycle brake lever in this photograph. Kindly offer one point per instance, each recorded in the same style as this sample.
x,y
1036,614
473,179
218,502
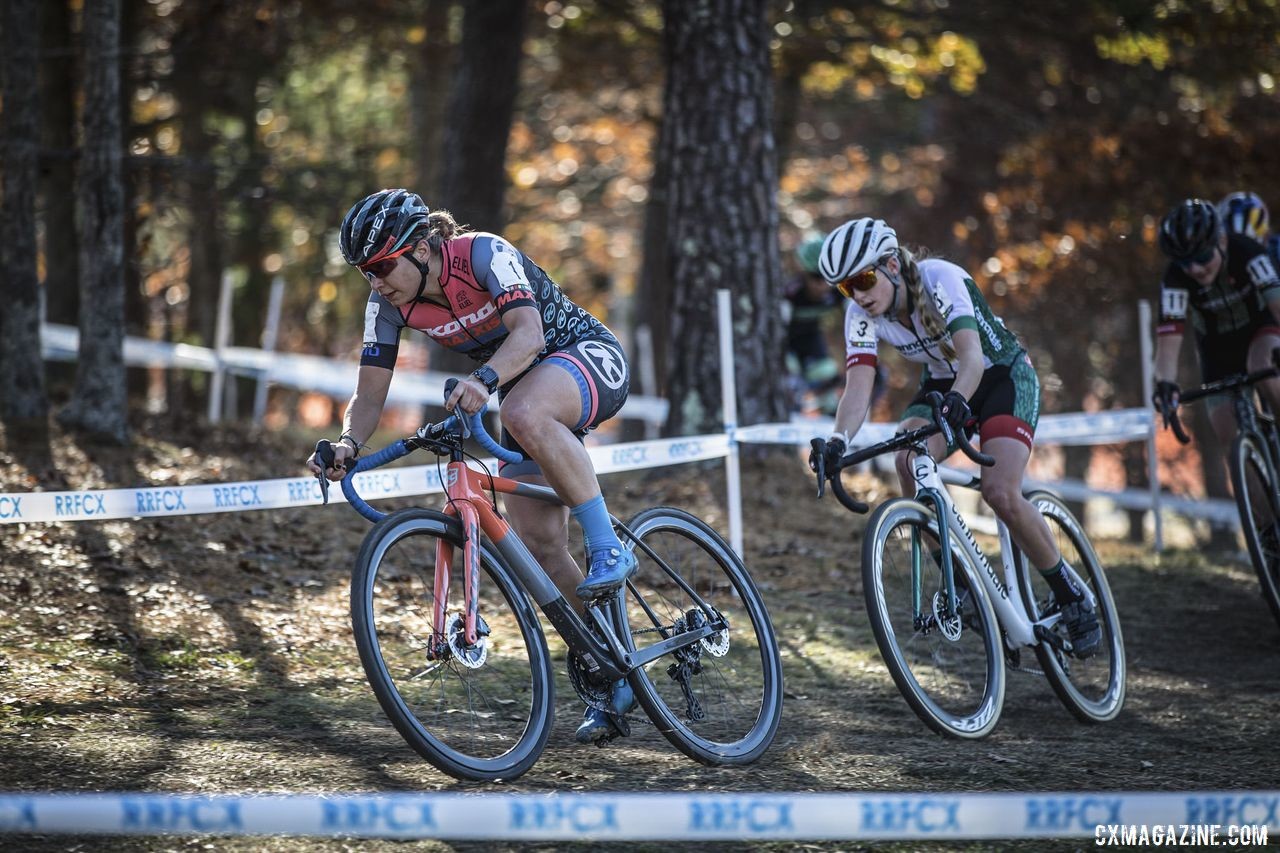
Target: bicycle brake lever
x,y
324,456
818,447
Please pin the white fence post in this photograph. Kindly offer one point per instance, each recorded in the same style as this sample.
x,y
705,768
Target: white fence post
x,y
1148,387
221,337
729,403
269,334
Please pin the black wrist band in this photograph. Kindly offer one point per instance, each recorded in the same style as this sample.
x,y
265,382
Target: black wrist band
x,y
355,445
488,377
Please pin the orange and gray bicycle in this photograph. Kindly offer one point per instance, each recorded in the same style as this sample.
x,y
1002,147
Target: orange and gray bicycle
x,y
467,679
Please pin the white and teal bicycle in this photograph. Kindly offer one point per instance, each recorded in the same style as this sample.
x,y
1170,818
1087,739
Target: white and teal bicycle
x,y
948,624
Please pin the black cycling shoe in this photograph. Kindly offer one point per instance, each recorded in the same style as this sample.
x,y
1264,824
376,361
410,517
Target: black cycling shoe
x,y
1082,627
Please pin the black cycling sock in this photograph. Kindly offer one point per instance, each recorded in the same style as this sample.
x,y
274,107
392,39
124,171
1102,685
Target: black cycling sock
x,y
1060,582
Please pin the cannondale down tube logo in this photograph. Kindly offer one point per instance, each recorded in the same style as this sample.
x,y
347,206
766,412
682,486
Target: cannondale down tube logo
x,y
608,362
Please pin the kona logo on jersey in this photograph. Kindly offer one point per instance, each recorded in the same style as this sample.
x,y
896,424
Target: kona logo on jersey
x,y
607,361
453,327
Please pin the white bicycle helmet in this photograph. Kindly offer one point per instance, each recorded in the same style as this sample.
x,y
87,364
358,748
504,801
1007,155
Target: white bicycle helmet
x,y
854,246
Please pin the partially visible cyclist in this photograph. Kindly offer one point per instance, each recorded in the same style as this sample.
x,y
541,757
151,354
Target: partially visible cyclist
x,y
558,371
1246,214
813,312
1221,281
815,316
931,311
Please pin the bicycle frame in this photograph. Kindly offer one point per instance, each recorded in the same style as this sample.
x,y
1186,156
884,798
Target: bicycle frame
x,y
1011,612
602,653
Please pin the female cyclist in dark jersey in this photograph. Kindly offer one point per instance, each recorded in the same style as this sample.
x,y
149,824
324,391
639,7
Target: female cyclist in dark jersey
x,y
932,313
558,371
1224,285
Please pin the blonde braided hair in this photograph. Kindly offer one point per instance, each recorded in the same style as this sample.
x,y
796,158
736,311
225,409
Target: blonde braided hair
x,y
930,317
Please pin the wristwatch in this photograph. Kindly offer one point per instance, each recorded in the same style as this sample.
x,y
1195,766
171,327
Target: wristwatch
x,y
487,376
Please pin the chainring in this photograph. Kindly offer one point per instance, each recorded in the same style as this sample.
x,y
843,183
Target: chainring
x,y
582,679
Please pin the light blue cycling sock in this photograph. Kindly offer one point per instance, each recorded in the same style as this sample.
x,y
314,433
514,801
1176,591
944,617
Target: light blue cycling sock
x,y
597,530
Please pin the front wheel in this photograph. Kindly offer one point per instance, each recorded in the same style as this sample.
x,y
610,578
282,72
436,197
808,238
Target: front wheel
x,y
1091,688
948,665
481,712
1256,501
719,699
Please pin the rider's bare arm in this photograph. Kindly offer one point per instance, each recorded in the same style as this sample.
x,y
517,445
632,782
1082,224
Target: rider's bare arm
x,y
969,363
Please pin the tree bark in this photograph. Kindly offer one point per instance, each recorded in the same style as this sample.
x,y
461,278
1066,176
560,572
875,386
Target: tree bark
x,y
58,96
722,219
482,99
22,389
481,106
98,402
429,99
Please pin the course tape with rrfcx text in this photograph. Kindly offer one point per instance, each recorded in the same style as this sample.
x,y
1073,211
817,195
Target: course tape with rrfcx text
x,y
634,817
391,482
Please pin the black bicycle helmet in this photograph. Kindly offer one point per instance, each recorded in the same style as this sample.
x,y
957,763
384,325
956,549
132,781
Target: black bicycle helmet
x,y
379,224
1190,229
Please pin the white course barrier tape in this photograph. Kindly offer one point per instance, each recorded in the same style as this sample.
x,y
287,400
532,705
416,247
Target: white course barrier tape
x,y
333,376
1243,815
1113,426
381,483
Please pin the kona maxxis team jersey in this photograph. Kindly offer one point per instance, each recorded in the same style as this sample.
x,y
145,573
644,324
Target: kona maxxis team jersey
x,y
1234,305
484,277
961,306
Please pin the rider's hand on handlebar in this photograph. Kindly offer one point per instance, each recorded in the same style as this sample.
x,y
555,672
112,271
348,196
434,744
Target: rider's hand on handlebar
x,y
1165,398
343,457
833,450
469,395
955,408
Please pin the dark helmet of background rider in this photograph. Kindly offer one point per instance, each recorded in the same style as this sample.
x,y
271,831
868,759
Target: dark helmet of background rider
x,y
1190,229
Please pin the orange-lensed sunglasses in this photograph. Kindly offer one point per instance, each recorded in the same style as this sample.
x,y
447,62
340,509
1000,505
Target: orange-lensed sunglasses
x,y
382,267
860,282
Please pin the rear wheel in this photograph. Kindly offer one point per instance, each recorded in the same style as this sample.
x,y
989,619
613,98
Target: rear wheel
x,y
719,699
1092,688
1255,493
481,711
949,666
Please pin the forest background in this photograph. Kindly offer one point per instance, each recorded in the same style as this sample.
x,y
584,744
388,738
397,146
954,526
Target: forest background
x,y
644,153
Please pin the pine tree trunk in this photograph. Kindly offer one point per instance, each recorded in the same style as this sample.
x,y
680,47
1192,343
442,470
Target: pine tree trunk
x,y
98,403
23,403
482,100
722,219
58,95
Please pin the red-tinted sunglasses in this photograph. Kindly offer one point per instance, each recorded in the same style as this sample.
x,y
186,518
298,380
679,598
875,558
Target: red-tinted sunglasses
x,y
860,282
382,267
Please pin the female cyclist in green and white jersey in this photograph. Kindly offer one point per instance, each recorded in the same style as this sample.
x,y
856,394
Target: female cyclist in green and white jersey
x,y
931,311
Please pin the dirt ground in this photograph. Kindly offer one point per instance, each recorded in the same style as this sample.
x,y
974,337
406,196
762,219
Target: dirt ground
x,y
214,654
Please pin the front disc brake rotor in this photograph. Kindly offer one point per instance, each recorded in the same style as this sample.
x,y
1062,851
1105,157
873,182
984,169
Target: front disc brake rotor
x,y
455,631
